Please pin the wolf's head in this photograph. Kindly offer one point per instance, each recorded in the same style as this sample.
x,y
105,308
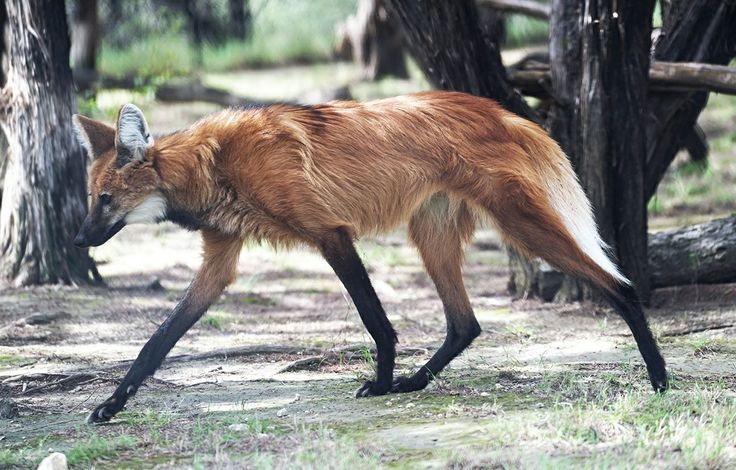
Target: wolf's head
x,y
124,186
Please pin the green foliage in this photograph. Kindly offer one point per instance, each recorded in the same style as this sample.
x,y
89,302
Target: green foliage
x,y
215,321
522,31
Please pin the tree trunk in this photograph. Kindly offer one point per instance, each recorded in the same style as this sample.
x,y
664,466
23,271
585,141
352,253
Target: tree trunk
x,y
701,31
615,64
44,197
3,66
374,41
492,24
453,52
240,19
85,35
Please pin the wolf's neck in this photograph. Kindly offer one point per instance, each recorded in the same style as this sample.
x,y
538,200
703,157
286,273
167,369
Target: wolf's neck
x,y
186,164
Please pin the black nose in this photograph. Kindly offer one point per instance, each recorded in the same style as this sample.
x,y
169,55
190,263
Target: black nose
x,y
81,241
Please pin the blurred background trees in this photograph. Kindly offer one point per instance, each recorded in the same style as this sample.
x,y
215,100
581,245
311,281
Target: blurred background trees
x,y
620,103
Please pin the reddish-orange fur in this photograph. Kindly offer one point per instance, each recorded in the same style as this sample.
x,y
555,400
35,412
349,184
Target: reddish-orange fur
x,y
301,172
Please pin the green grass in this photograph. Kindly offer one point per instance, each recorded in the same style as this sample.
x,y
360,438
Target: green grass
x,y
95,447
84,449
165,56
522,31
602,420
8,360
703,345
149,418
690,188
324,449
215,321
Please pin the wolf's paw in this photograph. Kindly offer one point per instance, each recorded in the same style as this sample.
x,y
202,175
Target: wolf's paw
x,y
104,411
372,389
660,382
406,384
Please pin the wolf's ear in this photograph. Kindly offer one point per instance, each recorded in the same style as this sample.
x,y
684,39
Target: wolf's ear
x,y
96,137
132,136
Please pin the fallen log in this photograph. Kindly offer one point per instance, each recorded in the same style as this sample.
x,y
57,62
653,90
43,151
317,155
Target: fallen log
x,y
343,355
196,91
179,91
696,254
90,80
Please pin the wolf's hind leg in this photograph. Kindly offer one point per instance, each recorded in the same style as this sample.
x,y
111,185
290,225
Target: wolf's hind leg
x,y
439,228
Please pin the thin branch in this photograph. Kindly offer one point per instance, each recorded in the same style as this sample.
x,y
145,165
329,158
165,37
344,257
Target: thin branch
x,y
694,76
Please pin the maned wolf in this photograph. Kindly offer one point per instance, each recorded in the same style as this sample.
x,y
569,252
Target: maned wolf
x,y
324,175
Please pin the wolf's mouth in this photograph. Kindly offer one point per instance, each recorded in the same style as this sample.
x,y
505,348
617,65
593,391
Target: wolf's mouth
x,y
84,240
109,233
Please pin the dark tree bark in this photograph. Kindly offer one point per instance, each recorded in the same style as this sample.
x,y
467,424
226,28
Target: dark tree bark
x,y
531,8
44,198
452,51
3,26
492,24
85,33
3,69
202,25
240,19
698,31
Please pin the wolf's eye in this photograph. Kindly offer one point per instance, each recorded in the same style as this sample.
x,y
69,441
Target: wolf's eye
x,y
105,198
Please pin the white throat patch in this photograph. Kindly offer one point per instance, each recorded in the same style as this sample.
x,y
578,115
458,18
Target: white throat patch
x,y
150,211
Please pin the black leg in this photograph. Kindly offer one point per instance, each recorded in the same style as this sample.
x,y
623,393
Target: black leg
x,y
217,271
340,253
628,305
150,358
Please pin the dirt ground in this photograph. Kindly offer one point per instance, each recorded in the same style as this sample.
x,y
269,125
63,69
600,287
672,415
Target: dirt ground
x,y
266,378
545,385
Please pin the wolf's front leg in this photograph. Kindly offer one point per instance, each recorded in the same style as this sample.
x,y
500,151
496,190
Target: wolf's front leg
x,y
220,259
338,250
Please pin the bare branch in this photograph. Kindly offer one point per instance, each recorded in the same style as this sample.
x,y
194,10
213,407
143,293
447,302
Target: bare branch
x,y
664,76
